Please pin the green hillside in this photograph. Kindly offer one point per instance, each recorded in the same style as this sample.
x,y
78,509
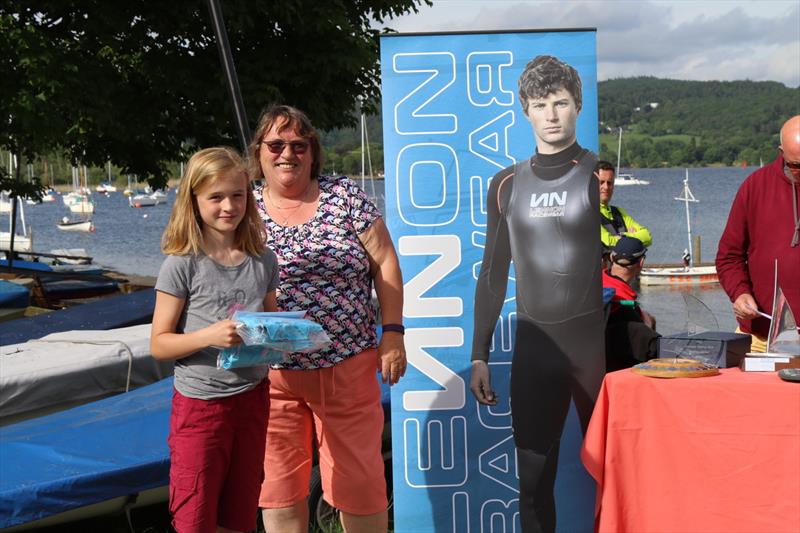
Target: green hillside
x,y
693,123
678,123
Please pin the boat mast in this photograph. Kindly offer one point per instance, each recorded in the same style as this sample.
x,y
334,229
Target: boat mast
x,y
619,150
686,198
361,112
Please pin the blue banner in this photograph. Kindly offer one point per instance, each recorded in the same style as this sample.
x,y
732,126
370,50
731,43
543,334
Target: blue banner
x,y
451,120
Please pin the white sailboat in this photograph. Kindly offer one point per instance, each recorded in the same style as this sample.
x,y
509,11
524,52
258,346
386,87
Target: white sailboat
x,y
129,191
106,186
625,179
23,242
79,200
5,202
142,200
159,196
689,274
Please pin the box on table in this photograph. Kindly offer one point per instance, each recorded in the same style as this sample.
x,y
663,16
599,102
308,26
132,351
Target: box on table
x,y
765,363
722,348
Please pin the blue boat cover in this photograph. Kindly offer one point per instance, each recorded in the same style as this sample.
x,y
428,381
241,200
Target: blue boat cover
x,y
13,295
92,453
108,313
30,265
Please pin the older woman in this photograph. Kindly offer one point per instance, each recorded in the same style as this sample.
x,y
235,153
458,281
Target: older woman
x,y
332,245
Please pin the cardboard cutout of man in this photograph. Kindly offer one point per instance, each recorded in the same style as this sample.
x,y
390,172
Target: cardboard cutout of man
x,y
542,214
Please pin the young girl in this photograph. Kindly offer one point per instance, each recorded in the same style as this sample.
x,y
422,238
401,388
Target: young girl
x,y
216,263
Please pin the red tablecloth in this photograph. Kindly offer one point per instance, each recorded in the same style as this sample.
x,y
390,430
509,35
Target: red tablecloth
x,y
713,454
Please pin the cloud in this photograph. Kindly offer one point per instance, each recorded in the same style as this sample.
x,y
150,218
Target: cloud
x,y
681,40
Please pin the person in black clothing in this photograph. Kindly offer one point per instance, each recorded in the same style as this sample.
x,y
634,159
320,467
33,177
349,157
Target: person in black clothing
x,y
630,331
542,214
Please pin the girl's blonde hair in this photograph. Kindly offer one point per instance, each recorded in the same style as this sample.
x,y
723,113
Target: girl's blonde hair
x,y
184,234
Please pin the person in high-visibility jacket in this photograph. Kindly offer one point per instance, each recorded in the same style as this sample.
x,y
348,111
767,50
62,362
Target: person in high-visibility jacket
x,y
615,221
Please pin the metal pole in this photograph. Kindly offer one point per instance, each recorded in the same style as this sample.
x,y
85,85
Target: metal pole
x,y
13,226
230,72
688,223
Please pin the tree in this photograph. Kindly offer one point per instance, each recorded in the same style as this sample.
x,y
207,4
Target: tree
x,y
140,83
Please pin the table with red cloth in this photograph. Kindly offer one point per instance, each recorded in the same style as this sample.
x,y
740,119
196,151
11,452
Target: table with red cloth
x,y
719,453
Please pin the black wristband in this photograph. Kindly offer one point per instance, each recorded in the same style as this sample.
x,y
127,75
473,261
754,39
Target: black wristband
x,y
397,328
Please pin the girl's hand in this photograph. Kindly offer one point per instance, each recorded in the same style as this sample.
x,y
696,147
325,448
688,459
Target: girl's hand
x,y
222,334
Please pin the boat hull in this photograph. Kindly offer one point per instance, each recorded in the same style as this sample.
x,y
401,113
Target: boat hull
x,y
85,225
142,201
21,243
679,276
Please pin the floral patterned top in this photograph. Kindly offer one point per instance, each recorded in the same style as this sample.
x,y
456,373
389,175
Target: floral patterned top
x,y
324,270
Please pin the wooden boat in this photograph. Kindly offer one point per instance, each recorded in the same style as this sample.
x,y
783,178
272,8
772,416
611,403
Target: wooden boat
x,y
76,225
689,274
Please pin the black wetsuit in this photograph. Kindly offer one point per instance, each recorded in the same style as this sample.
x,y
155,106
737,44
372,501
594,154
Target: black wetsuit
x,y
542,213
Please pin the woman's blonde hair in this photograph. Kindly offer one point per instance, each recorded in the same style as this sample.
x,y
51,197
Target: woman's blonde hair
x,y
184,234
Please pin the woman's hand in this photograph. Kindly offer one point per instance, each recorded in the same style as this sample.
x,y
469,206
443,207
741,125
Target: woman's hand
x,y
392,357
222,334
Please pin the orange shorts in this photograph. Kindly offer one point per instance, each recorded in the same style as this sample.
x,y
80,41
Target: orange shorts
x,y
340,408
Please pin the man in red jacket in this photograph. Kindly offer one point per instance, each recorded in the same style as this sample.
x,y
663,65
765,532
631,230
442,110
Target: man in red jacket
x,y
764,227
630,331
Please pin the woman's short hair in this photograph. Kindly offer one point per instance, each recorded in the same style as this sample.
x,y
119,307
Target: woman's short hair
x,y
285,117
544,75
184,233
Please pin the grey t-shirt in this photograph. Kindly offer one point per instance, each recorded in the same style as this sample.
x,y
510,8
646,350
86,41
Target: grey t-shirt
x,y
211,292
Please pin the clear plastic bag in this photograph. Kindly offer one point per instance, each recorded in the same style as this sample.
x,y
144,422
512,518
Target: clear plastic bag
x,y
244,355
268,337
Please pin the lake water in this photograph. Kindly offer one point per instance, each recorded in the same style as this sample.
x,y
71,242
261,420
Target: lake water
x,y
127,239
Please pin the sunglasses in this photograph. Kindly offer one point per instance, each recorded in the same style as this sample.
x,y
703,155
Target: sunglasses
x,y
629,263
794,165
277,147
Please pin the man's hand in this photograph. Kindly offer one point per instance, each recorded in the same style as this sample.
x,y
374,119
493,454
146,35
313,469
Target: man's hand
x,y
392,357
745,307
649,320
481,383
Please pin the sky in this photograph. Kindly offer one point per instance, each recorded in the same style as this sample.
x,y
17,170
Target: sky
x,y
679,39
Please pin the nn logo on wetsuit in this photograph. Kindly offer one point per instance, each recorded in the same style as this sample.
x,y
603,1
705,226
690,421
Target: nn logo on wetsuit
x,y
549,204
